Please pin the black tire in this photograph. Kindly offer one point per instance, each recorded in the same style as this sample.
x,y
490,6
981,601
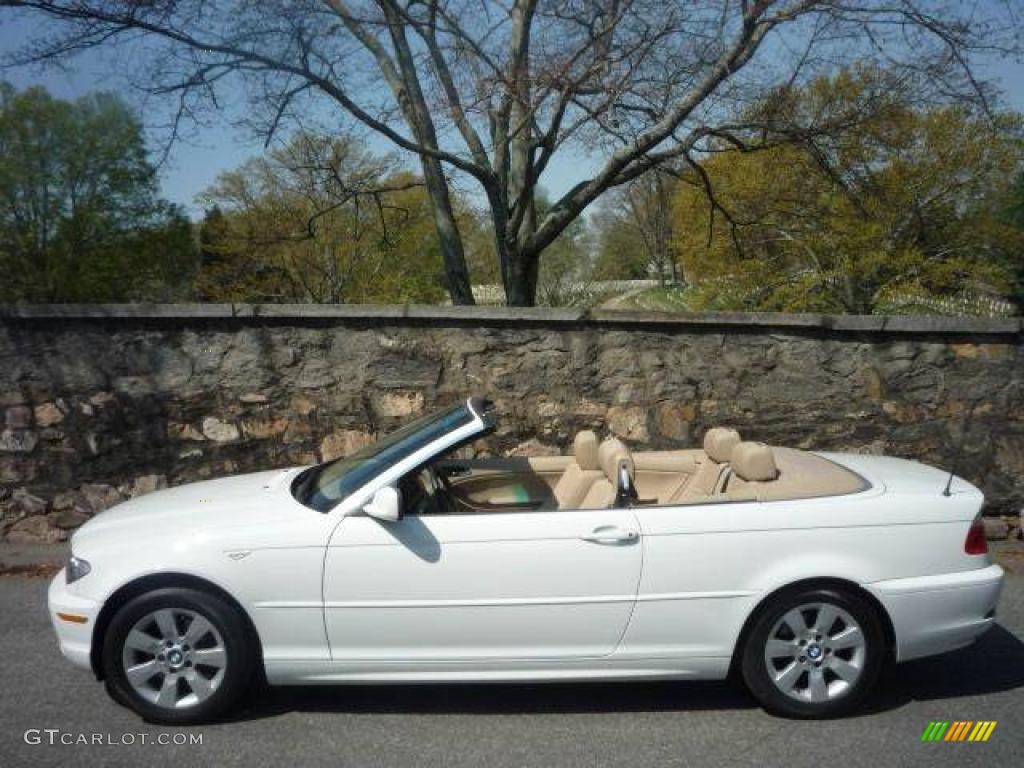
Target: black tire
x,y
755,667
237,677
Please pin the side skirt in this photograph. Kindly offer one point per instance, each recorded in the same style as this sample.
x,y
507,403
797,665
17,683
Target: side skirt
x,y
521,671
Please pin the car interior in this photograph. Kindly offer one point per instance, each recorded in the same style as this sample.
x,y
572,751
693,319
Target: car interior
x,y
602,474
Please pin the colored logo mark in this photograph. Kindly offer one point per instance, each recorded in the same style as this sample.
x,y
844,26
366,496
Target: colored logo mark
x,y
958,730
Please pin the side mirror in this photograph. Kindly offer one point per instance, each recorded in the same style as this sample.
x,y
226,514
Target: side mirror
x,y
386,504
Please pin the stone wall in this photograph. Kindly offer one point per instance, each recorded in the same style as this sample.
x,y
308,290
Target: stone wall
x,y
101,403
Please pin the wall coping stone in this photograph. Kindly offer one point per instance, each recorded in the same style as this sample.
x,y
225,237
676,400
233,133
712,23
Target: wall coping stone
x,y
478,315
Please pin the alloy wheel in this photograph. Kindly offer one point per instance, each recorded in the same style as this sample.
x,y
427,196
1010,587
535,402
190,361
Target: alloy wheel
x,y
815,653
174,658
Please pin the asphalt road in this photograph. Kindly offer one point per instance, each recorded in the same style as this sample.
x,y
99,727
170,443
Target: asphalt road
x,y
692,724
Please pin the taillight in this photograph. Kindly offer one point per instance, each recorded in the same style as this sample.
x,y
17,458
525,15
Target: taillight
x,y
976,543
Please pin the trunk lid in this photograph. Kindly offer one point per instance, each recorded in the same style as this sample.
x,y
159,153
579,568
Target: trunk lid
x,y
908,477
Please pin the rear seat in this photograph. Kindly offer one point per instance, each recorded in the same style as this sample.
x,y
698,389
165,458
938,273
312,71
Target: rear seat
x,y
752,468
708,480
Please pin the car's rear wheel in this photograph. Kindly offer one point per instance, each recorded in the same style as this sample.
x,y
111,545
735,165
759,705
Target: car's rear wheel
x,y
814,653
178,656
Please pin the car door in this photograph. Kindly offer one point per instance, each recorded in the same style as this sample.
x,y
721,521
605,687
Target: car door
x,y
522,585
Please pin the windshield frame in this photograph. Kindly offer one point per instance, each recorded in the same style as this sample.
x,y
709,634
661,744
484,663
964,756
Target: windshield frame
x,y
407,451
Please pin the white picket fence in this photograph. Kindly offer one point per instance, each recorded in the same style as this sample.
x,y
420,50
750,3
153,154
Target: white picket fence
x,y
966,305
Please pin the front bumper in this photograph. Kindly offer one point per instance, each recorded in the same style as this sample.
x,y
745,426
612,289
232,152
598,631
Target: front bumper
x,y
75,637
935,614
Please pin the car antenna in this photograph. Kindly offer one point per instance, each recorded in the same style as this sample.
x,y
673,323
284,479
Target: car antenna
x,y
959,447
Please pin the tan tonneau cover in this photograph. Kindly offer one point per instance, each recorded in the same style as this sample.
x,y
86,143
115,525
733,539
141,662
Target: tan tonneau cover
x,y
802,475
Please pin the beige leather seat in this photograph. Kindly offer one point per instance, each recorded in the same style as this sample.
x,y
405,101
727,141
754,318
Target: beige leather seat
x,y
662,475
719,444
581,474
751,469
612,453
754,462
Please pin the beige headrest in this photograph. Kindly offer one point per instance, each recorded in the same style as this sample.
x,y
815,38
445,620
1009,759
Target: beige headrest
x,y
719,443
754,461
584,447
611,453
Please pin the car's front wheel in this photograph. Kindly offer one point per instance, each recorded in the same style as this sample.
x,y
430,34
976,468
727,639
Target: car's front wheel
x,y
178,656
814,653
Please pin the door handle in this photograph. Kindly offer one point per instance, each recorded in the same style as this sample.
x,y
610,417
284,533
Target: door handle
x,y
611,534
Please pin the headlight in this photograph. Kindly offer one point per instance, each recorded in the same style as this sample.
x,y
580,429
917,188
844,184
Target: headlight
x,y
76,568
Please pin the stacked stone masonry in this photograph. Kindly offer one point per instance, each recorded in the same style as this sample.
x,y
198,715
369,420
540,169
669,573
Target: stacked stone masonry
x,y
101,403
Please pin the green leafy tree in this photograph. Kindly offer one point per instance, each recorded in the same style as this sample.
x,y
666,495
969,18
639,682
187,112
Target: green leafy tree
x,y
1013,215
80,219
900,203
320,219
495,93
232,270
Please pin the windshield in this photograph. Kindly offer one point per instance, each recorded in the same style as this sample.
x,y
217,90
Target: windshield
x,y
323,486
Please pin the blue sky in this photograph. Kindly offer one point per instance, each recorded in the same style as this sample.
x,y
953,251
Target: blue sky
x,y
194,165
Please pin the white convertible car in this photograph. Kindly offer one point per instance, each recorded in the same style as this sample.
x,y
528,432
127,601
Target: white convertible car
x,y
803,573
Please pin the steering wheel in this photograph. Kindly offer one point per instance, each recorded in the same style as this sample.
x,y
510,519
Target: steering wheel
x,y
444,500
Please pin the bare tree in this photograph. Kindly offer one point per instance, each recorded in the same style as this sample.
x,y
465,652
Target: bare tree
x,y
494,89
647,202
325,212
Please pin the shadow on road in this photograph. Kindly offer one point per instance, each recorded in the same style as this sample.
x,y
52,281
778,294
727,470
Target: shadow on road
x,y
503,699
994,664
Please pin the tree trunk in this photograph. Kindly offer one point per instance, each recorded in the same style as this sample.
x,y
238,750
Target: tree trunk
x,y
452,253
521,275
408,93
519,269
521,279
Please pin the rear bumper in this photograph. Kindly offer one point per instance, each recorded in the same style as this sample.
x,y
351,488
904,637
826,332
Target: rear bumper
x,y
75,637
935,614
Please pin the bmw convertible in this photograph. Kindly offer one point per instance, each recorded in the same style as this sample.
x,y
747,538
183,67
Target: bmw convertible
x,y
801,574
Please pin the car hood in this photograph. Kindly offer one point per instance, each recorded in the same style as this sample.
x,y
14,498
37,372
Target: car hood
x,y
195,508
